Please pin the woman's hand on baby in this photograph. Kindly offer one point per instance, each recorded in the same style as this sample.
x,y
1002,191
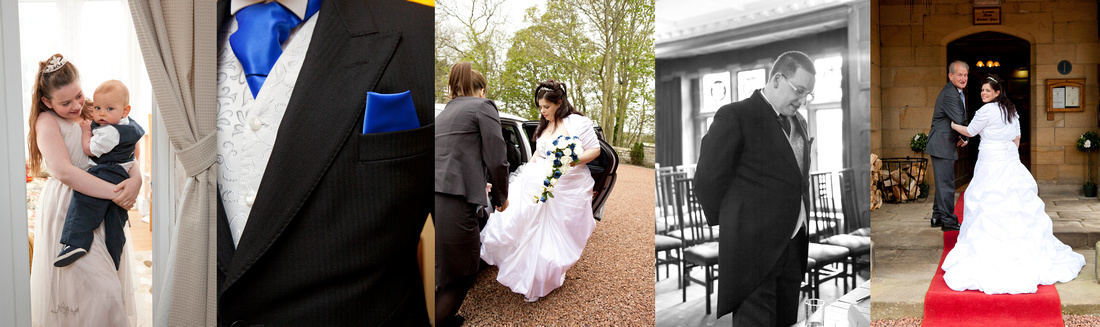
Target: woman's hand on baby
x,y
127,192
86,125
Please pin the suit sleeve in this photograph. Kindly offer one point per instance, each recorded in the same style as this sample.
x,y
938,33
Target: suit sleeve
x,y
718,155
493,153
955,112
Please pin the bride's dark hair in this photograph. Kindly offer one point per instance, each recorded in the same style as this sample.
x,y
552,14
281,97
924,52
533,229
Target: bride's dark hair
x,y
997,84
553,92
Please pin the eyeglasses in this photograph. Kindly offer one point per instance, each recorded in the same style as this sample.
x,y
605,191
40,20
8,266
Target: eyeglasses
x,y
799,92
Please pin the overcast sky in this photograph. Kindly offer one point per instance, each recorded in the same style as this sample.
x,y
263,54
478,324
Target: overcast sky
x,y
513,9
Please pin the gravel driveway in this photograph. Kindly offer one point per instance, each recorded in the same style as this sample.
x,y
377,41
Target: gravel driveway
x,y
612,284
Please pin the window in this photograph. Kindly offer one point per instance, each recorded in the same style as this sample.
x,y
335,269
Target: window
x,y
825,116
716,91
748,81
97,36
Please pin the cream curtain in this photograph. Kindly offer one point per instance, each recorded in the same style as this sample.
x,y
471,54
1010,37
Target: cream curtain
x,y
178,40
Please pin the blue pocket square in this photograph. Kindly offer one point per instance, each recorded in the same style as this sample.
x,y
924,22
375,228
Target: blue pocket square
x,y
389,113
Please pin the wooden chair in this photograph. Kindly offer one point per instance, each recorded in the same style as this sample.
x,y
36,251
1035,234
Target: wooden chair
x,y
666,202
823,221
671,247
857,239
700,245
665,221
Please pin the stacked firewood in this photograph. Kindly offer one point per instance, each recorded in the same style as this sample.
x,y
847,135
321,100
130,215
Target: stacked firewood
x,y
896,181
876,193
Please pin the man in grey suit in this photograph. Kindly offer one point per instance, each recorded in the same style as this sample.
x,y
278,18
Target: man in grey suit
x,y
943,142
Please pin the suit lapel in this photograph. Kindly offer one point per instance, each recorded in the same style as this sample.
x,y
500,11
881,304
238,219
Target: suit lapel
x,y
346,58
777,137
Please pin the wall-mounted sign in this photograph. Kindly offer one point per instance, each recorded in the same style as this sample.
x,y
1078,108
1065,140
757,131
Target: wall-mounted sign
x,y
1064,67
987,16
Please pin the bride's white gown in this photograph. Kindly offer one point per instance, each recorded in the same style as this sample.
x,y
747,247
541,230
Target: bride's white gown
x,y
533,244
1006,243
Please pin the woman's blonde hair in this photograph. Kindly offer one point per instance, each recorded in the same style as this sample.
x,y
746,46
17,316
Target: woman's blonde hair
x,y
45,82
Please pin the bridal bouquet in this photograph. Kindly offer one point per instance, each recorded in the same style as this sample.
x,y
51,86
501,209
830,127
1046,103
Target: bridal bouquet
x,y
563,154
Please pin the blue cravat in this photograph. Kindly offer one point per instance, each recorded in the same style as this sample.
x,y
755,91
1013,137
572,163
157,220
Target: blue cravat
x,y
261,30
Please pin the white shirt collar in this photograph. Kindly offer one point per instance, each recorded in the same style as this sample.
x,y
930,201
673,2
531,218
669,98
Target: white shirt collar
x,y
769,103
298,7
124,121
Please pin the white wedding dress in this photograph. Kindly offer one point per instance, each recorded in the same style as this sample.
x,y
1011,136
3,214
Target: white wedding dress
x,y
1006,244
534,244
89,292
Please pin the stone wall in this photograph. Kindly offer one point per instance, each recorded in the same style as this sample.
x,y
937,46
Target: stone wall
x,y
908,68
649,160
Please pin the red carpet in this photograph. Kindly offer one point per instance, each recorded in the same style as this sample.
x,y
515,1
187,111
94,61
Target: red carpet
x,y
945,307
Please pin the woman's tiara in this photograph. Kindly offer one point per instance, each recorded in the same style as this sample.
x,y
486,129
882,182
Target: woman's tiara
x,y
991,78
55,63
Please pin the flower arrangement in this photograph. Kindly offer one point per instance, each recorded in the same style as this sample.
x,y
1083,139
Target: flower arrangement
x,y
563,155
1088,142
919,143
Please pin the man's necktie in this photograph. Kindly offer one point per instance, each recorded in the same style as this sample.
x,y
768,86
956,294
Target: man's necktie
x,y
785,122
963,97
261,30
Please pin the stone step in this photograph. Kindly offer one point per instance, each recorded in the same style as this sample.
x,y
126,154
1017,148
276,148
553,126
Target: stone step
x,y
918,235
1076,222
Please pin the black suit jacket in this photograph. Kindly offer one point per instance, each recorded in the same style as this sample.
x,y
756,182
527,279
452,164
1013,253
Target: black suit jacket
x,y
470,151
749,183
332,235
941,138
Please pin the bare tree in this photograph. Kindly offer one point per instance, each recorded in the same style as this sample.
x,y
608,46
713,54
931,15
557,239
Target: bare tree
x,y
478,36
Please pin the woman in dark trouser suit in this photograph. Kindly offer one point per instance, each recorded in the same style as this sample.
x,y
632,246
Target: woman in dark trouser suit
x,y
469,152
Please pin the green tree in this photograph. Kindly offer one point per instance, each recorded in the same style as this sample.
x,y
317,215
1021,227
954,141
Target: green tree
x,y
602,50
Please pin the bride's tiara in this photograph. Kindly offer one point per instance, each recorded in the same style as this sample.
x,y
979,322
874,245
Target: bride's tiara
x,y
55,63
991,78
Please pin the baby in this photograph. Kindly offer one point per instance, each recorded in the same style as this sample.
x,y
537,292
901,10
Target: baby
x,y
109,139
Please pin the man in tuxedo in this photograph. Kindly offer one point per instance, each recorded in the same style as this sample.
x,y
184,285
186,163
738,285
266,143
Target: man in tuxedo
x,y
752,180
318,222
943,142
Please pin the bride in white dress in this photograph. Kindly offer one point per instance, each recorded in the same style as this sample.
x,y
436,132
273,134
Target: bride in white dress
x,y
534,243
1006,244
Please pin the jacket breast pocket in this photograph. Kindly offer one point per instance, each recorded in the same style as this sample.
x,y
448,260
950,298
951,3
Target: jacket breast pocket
x,y
394,179
396,145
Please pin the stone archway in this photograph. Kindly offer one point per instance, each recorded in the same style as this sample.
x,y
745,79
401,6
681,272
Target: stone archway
x,y
1015,60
